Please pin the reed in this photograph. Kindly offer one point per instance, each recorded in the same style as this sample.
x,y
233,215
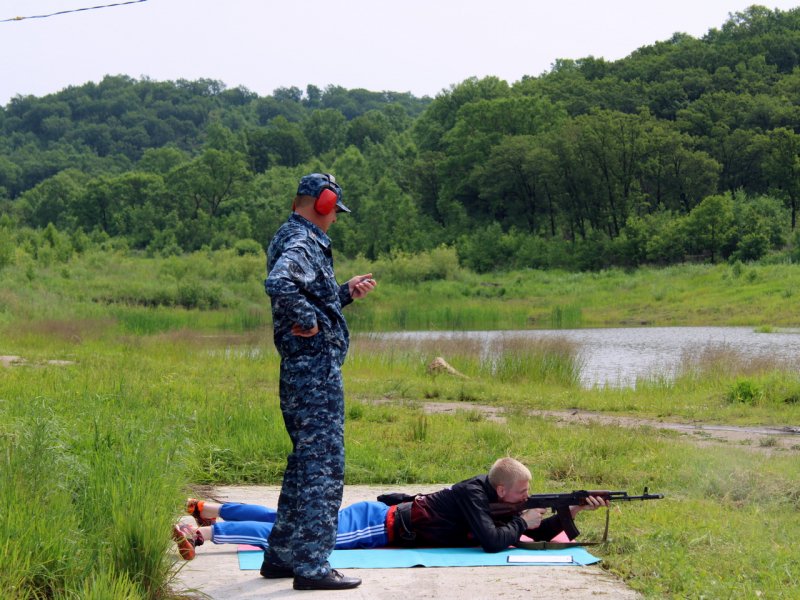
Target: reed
x,y
505,359
519,359
67,526
566,317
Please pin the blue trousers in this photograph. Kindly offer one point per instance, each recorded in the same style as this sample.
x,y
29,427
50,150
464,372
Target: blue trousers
x,y
312,403
361,525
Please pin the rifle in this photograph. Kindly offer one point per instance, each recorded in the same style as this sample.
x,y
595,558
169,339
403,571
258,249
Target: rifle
x,y
560,504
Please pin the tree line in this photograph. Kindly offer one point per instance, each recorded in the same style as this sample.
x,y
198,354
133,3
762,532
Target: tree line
x,y
688,149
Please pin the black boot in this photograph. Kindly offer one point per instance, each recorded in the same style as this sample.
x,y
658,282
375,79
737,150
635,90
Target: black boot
x,y
332,581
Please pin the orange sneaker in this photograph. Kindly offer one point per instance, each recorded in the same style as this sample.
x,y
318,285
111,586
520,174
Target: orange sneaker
x,y
195,508
187,537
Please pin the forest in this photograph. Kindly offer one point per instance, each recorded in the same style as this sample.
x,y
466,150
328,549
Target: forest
x,y
686,150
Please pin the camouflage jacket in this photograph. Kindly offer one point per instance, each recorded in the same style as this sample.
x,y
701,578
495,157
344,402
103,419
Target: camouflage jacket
x,y
303,290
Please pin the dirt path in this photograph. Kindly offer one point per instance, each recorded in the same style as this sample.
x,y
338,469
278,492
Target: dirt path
x,y
9,360
762,438
215,570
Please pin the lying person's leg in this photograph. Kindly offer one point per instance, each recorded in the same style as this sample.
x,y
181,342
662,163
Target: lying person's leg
x,y
361,525
206,513
188,536
253,533
234,511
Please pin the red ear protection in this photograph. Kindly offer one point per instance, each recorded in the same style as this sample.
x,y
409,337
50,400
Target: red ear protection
x,y
326,201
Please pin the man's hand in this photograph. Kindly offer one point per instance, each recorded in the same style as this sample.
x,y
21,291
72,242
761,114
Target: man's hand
x,y
592,503
361,285
296,330
533,517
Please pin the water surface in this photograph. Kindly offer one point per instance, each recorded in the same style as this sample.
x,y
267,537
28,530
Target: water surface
x,y
620,356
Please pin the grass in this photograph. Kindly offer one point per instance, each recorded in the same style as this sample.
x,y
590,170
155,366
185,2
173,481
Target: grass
x,y
157,398
68,496
220,291
79,438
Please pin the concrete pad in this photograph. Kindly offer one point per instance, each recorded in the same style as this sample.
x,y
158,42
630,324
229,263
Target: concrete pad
x,y
215,570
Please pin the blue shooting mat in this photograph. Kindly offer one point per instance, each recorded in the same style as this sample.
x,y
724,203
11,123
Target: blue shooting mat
x,y
397,558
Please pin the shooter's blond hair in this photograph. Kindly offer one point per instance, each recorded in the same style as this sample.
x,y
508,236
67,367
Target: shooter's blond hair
x,y
508,471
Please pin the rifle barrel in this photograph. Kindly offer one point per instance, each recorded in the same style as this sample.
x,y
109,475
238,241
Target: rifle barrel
x,y
554,501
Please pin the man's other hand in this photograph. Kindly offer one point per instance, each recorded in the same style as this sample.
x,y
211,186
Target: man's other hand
x,y
296,330
361,285
592,503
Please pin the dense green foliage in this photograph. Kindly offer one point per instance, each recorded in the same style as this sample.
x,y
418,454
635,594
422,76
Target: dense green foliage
x,y
686,149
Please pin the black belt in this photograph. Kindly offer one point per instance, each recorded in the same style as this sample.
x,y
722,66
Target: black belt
x,y
402,523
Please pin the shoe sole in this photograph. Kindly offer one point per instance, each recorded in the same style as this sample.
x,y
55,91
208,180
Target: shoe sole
x,y
185,547
338,587
328,586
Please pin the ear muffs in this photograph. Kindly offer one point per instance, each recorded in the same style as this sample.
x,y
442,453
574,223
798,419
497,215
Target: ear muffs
x,y
326,202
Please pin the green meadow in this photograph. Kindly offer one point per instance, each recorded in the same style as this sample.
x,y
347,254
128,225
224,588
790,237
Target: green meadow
x,y
138,378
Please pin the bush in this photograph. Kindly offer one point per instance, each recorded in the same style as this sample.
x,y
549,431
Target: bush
x,y
402,267
194,294
486,250
532,253
6,249
248,246
245,270
745,392
751,247
794,253
165,244
54,246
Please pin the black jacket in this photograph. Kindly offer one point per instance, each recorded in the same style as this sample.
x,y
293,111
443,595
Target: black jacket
x,y
459,516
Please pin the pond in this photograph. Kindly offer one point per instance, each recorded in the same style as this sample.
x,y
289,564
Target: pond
x,y
620,356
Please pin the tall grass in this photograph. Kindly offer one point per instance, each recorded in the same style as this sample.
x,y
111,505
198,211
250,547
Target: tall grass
x,y
84,512
566,317
518,359
505,359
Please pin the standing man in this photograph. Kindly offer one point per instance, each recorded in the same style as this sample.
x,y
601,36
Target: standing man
x,y
312,339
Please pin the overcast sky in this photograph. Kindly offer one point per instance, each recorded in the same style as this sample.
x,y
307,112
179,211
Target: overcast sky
x,y
417,46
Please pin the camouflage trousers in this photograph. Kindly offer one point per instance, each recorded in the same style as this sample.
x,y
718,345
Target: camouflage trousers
x,y
312,402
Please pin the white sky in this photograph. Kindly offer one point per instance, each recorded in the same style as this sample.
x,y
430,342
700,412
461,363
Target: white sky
x,y
417,46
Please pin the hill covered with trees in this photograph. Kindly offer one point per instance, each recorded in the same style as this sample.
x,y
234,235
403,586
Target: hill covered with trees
x,y
686,149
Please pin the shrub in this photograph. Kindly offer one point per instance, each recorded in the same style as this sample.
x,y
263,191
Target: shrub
x,y
751,247
402,267
745,392
6,249
248,247
485,250
794,253
194,294
54,246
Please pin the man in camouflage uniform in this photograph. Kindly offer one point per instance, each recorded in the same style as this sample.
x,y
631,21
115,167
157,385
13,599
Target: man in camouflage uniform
x,y
312,339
